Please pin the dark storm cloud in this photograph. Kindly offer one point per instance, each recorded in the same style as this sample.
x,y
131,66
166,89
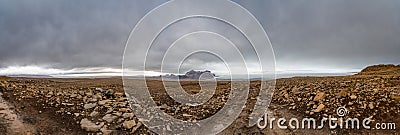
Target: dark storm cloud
x,y
331,33
67,34
304,33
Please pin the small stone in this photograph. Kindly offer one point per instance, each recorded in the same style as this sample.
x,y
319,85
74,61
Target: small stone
x,y
89,105
109,110
105,131
129,124
343,93
128,115
120,120
376,90
93,114
122,99
124,110
169,128
89,94
67,104
136,127
73,95
395,97
310,103
319,108
88,125
163,106
117,113
353,97
99,89
319,96
85,99
186,115
118,94
286,96
79,97
103,102
109,118
371,106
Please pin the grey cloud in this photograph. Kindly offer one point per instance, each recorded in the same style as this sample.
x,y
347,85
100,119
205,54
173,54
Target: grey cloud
x,y
338,34
67,34
307,33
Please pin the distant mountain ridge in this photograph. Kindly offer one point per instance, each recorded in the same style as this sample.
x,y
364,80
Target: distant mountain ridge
x,y
192,74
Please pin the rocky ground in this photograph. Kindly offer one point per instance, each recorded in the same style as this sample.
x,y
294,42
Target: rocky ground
x,y
82,106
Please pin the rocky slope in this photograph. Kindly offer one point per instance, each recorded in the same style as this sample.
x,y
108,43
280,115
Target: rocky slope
x,y
381,69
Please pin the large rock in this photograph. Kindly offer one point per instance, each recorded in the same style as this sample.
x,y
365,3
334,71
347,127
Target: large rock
x,y
88,125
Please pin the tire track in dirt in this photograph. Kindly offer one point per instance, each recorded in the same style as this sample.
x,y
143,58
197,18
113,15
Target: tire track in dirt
x,y
10,122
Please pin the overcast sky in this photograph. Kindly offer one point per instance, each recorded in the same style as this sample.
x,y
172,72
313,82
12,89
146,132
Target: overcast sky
x,y
305,34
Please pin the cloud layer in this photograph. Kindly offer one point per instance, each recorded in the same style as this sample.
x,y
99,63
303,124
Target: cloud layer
x,y
306,34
